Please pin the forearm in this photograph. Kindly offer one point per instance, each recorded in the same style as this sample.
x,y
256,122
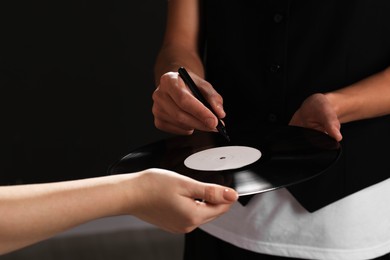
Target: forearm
x,y
173,56
181,40
31,213
367,98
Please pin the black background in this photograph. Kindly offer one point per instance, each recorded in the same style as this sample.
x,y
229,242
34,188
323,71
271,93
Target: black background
x,y
76,80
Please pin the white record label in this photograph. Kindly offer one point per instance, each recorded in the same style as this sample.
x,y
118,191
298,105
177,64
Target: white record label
x,y
222,158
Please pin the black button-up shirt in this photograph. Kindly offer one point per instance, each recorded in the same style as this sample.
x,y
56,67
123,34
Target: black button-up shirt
x,y
267,57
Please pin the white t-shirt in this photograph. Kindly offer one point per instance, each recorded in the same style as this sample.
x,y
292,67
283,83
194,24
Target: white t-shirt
x,y
354,228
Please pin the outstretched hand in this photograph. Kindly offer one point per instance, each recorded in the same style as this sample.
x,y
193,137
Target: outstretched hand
x,y
179,204
317,113
34,212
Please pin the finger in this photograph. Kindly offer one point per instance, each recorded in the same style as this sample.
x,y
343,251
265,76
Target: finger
x,y
177,118
213,98
190,104
294,120
210,94
172,128
165,110
332,125
179,107
214,194
335,133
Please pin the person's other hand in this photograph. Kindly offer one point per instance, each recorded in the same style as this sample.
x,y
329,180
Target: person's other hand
x,y
317,113
177,111
177,203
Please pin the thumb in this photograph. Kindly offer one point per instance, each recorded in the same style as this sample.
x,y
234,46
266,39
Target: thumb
x,y
332,128
214,194
335,133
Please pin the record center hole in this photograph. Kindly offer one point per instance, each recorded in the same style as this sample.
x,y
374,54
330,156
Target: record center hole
x,y
222,158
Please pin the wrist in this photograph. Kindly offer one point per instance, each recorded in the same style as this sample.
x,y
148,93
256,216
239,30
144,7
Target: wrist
x,y
340,103
129,189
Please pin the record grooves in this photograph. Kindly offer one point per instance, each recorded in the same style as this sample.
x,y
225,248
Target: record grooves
x,y
289,155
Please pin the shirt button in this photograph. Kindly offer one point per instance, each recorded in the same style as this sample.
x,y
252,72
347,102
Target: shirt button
x,y
272,118
278,18
274,68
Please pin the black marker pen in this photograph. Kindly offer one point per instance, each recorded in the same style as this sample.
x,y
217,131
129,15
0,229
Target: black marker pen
x,y
192,86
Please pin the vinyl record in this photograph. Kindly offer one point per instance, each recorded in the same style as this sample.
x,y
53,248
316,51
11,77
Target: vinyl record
x,y
252,162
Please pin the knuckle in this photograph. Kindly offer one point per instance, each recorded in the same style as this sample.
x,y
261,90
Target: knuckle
x,y
159,95
158,114
192,223
155,94
209,90
155,110
161,125
210,194
158,124
166,78
188,229
218,98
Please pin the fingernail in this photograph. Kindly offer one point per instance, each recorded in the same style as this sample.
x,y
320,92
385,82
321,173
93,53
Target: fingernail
x,y
220,107
230,195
